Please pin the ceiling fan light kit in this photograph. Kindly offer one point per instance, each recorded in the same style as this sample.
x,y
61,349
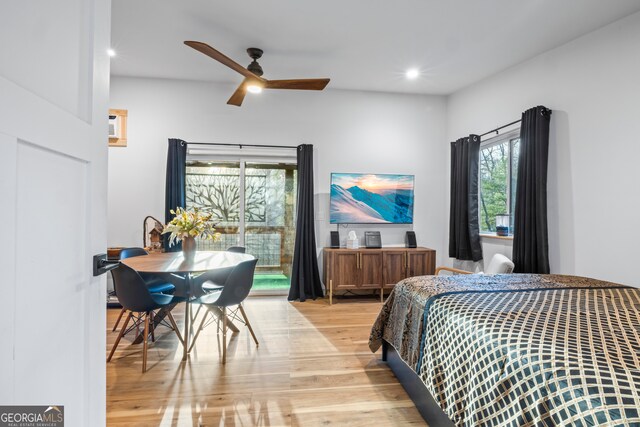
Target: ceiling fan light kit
x,y
253,81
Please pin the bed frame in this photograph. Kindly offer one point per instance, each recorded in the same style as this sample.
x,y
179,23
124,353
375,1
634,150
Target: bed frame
x,y
415,388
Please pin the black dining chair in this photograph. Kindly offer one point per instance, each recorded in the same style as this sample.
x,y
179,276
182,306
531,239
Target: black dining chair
x,y
237,249
210,281
156,283
235,291
135,298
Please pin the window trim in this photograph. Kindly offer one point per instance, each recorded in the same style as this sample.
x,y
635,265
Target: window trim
x,y
492,235
496,140
249,155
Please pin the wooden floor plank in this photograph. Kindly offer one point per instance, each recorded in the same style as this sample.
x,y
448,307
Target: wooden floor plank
x,y
312,368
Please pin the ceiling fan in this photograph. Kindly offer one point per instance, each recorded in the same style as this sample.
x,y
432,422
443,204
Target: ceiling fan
x,y
253,82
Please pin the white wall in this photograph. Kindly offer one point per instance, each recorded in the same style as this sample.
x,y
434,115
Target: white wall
x,y
592,84
352,132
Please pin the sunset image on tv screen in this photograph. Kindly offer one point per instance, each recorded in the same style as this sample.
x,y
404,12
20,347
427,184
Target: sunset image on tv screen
x,y
371,198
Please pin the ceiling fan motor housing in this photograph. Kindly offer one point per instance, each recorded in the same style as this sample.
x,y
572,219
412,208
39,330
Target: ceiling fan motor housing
x,y
254,67
255,53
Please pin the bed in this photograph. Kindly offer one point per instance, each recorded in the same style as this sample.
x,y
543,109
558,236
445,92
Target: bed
x,y
515,350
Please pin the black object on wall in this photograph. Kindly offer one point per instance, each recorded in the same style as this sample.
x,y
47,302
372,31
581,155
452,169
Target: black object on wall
x,y
335,239
305,278
175,194
464,230
530,235
410,240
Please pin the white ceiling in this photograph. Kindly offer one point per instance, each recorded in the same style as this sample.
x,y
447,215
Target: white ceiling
x,y
359,44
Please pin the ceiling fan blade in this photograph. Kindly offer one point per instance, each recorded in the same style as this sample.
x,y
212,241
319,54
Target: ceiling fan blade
x,y
238,96
222,58
299,84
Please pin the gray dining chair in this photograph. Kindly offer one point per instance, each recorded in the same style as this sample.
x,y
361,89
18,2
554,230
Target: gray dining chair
x,y
227,301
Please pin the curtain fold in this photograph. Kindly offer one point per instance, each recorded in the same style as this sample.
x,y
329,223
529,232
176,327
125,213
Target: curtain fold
x,y
175,193
305,277
464,229
530,236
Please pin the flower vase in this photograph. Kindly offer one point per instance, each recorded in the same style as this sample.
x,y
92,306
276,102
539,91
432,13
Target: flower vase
x,y
189,248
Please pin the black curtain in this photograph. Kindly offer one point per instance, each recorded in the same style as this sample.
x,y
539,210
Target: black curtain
x,y
175,194
530,239
305,278
464,229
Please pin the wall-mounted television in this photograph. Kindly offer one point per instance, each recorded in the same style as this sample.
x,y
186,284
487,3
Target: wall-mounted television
x,y
365,198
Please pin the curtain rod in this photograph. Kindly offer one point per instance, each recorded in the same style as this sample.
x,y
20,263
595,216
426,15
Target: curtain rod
x,y
241,145
500,127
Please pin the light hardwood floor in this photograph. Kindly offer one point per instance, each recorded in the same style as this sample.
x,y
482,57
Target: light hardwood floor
x,y
313,367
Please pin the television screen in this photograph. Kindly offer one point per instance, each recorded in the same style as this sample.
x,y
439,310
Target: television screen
x,y
358,198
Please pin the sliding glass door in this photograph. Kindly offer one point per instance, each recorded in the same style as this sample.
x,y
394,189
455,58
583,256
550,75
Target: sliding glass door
x,y
253,204
269,228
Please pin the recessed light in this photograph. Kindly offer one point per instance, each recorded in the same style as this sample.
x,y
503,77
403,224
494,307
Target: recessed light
x,y
412,73
254,89
111,52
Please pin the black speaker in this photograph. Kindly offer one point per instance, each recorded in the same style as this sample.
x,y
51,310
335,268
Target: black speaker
x,y
335,239
372,239
410,239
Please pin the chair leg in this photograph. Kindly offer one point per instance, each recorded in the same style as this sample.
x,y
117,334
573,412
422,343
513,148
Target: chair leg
x,y
144,345
137,327
119,318
193,341
195,316
153,334
115,345
175,326
246,321
224,335
217,312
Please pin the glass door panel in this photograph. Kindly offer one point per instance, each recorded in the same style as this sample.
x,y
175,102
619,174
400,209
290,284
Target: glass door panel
x,y
270,201
214,187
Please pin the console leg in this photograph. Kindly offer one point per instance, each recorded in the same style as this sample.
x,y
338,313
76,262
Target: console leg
x,y
331,292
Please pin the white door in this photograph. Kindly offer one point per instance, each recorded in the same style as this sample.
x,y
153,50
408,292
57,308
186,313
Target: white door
x,y
54,82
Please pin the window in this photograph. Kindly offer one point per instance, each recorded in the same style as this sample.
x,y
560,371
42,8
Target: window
x,y
498,175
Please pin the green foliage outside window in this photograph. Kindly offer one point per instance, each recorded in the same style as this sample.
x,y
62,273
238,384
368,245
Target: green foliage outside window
x,y
497,182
